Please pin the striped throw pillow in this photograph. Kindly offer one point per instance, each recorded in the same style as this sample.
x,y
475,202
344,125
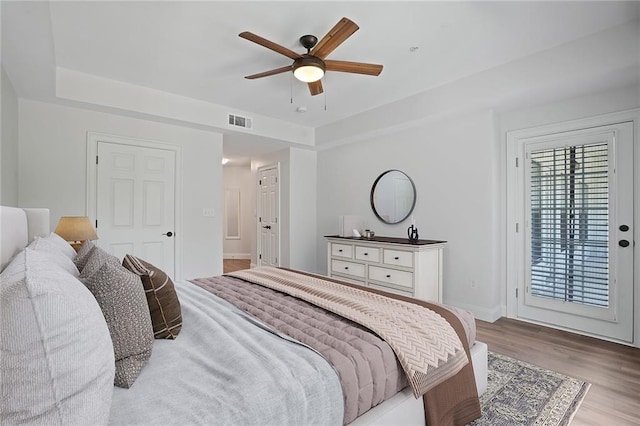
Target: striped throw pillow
x,y
164,305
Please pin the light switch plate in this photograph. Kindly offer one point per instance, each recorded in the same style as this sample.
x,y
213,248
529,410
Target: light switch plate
x,y
209,212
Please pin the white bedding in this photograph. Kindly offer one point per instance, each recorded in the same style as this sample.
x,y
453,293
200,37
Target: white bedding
x,y
244,378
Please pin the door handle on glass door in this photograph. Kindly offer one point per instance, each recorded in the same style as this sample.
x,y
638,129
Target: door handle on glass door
x,y
168,234
267,227
623,243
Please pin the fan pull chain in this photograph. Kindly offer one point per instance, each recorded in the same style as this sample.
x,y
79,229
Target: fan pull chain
x,y
325,92
291,88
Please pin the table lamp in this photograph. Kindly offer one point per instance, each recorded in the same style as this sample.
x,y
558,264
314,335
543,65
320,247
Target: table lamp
x,y
76,230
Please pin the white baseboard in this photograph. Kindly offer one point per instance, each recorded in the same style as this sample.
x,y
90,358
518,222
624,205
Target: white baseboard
x,y
244,256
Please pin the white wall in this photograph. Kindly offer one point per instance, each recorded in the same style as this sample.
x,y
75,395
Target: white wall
x,y
458,165
8,143
52,172
302,223
452,164
240,177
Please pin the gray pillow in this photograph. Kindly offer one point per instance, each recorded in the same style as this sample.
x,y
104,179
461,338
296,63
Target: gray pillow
x,y
56,355
96,258
83,254
121,297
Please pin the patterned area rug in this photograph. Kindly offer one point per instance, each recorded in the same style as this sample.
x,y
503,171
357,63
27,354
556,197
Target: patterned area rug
x,y
523,394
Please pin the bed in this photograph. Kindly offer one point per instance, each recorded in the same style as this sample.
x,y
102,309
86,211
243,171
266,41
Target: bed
x,y
224,367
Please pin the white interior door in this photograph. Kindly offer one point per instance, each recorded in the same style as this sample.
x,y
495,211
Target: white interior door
x,y
268,212
577,244
135,200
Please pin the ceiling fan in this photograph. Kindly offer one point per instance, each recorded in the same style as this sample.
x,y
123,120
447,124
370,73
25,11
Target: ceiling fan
x,y
310,67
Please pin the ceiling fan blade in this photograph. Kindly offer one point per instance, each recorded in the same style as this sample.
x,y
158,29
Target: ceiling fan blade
x,y
315,87
270,45
353,67
270,72
334,38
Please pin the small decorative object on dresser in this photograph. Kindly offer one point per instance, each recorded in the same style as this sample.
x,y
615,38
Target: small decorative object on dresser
x,y
412,233
392,264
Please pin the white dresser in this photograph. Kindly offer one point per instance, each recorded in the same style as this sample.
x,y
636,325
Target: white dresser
x,y
390,264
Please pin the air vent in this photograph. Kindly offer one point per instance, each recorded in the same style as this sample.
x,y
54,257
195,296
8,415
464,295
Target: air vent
x,y
240,121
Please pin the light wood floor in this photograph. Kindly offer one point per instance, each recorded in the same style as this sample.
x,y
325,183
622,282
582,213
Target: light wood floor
x,y
613,370
230,265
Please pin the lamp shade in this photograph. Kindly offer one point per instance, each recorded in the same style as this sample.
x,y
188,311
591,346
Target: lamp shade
x,y
308,69
76,228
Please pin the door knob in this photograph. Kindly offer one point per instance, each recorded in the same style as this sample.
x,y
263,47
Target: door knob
x,y
623,243
624,228
168,234
267,227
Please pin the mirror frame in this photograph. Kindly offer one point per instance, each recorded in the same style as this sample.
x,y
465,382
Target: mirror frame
x,y
373,188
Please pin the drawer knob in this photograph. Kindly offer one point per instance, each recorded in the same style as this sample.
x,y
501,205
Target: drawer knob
x,y
340,250
388,276
366,254
396,258
346,267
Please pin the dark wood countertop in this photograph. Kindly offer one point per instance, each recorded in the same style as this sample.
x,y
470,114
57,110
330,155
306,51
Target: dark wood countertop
x,y
390,240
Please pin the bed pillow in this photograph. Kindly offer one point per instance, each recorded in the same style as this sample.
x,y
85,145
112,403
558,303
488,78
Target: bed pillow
x,y
164,306
121,297
95,259
83,254
56,355
52,249
62,244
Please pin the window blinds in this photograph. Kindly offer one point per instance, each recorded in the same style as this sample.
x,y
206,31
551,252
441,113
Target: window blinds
x,y
569,202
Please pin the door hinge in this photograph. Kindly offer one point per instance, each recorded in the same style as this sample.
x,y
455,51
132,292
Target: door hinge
x,y
260,219
517,227
260,256
516,161
516,292
260,182
96,159
276,180
276,220
96,223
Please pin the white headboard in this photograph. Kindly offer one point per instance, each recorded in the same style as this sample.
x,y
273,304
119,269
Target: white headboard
x,y
18,227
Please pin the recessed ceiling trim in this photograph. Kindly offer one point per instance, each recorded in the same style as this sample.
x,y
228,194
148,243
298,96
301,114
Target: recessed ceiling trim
x,y
93,90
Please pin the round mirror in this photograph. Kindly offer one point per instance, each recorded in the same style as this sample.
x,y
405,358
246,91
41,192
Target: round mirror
x,y
393,196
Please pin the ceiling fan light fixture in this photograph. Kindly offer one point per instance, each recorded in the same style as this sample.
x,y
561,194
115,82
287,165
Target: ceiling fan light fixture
x,y
309,69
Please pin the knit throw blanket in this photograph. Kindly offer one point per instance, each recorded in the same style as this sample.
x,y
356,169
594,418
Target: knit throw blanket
x,y
426,345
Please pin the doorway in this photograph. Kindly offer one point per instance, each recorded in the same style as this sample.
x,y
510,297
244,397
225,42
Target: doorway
x,y
571,203
268,210
132,196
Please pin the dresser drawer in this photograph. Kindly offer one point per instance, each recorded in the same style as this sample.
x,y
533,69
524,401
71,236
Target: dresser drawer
x,y
392,276
398,258
370,254
342,250
347,268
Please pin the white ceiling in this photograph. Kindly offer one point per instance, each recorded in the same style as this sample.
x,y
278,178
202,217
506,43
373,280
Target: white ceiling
x,y
193,49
